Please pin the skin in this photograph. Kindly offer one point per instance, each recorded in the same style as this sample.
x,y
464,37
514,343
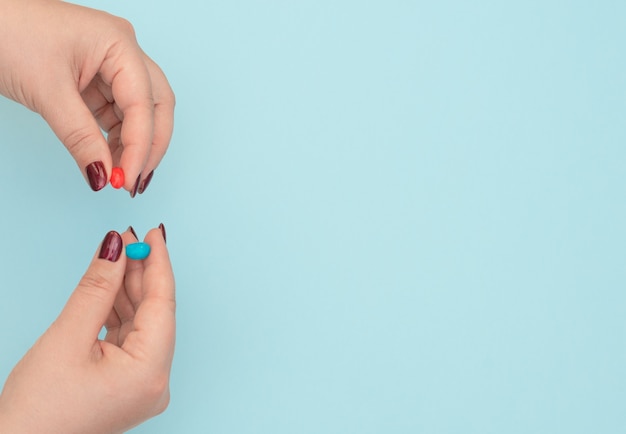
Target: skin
x,y
72,382
82,70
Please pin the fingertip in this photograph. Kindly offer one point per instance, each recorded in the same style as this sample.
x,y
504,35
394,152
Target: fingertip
x,y
156,236
96,175
163,232
145,182
136,136
159,254
132,172
133,190
132,232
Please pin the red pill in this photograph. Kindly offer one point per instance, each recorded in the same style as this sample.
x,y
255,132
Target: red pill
x,y
117,177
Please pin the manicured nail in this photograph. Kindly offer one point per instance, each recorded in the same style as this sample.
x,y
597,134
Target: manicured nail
x,y
132,231
145,182
97,175
162,227
133,192
111,247
117,177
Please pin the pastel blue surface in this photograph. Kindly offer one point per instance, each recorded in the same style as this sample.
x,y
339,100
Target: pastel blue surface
x,y
384,217
138,251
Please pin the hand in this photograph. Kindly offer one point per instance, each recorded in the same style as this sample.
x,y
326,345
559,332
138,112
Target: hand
x,y
72,382
82,70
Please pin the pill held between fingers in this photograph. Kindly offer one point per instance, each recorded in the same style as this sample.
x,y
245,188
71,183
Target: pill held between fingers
x,y
137,251
117,177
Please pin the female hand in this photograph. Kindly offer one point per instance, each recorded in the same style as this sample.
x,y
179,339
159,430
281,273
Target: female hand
x,y
83,71
72,382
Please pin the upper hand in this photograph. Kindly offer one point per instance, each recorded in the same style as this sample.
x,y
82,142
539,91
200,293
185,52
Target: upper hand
x,y
83,71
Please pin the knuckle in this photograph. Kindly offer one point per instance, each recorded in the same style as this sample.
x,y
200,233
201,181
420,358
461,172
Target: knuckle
x,y
95,284
163,403
124,26
169,304
78,139
170,98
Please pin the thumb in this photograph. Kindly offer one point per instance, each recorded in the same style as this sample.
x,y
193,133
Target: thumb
x,y
74,124
91,302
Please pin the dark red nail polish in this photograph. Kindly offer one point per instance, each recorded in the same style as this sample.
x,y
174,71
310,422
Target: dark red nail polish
x,y
133,192
145,182
97,175
162,227
111,247
132,231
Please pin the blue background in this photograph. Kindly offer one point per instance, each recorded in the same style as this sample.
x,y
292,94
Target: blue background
x,y
384,217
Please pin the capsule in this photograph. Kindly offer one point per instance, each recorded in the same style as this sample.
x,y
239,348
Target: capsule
x,y
117,177
138,251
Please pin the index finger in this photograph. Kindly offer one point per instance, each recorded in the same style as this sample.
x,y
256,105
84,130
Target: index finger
x,y
125,70
154,331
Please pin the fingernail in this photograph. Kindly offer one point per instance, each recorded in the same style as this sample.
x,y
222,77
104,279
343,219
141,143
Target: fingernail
x,y
133,192
132,231
111,247
97,175
145,182
162,227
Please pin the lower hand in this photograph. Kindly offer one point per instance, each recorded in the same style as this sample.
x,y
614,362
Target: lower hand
x,y
72,382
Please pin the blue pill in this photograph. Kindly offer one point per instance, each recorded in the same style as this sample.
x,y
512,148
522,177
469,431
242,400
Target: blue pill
x,y
138,251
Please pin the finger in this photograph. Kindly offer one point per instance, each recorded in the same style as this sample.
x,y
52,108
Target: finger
x,y
120,320
74,124
125,71
124,305
164,102
99,100
115,144
155,323
133,281
91,303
